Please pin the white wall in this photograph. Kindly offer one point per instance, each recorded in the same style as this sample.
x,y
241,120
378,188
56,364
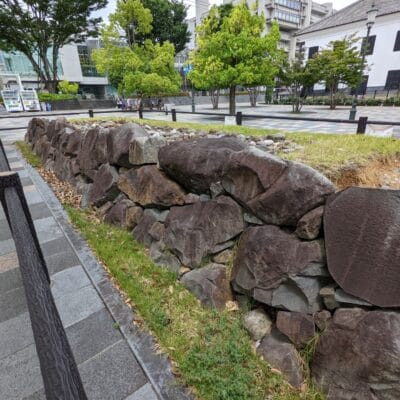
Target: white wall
x,y
70,62
382,60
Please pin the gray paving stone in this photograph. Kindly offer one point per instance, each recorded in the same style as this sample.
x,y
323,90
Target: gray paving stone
x,y
6,246
56,246
78,305
20,374
5,232
12,304
60,261
39,395
10,280
32,197
68,280
47,229
146,392
8,261
15,334
101,331
112,374
39,211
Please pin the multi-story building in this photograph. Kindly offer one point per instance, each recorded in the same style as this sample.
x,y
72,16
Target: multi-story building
x,y
383,50
291,15
74,65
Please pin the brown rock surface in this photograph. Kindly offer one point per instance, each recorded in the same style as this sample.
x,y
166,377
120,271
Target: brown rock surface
x,y
309,226
198,163
196,231
148,186
362,231
94,150
210,285
358,356
104,186
299,328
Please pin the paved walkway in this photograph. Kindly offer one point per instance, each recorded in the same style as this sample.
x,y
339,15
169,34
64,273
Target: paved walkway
x,y
116,360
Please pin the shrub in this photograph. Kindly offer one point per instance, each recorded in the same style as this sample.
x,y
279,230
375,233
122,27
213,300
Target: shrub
x,y
66,87
55,97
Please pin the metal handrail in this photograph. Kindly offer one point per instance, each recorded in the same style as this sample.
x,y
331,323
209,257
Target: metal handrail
x,y
57,364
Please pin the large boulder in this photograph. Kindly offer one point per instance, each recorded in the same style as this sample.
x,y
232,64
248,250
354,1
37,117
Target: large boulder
x,y
94,150
104,186
277,350
210,285
144,149
198,163
119,140
251,172
149,187
299,190
362,231
358,356
70,142
202,229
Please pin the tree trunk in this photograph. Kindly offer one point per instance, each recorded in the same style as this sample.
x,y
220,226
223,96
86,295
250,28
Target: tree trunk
x,y
333,99
232,100
214,93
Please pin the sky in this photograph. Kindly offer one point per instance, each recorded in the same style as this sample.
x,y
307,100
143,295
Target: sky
x,y
337,4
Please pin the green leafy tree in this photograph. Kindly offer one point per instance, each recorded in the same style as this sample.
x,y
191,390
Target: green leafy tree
x,y
297,76
238,53
65,87
140,69
169,23
340,63
40,28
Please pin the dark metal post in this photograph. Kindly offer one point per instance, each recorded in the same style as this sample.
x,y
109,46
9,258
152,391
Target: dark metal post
x,y
91,113
193,102
173,112
4,165
59,370
140,113
239,118
362,125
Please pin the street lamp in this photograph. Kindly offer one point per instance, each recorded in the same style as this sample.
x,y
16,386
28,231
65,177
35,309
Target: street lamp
x,y
371,16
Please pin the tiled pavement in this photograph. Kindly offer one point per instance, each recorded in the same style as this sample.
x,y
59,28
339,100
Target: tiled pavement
x,y
116,360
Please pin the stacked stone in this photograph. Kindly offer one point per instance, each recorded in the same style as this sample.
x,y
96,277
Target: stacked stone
x,y
300,252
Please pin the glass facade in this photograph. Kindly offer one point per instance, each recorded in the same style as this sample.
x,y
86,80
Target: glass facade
x,y
17,63
293,4
288,16
87,65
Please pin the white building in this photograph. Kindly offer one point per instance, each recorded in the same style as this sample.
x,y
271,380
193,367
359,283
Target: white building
x,y
383,56
74,65
291,15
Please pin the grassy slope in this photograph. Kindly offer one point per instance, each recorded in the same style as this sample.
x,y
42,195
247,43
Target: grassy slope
x,y
211,350
327,153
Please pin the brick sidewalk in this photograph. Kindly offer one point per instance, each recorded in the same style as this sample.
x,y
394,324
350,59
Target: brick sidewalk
x,y
116,360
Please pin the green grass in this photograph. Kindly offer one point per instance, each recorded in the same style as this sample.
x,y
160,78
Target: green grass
x,y
30,157
328,153
212,351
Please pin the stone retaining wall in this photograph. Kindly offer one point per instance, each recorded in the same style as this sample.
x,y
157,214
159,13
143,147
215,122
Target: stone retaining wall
x,y
310,259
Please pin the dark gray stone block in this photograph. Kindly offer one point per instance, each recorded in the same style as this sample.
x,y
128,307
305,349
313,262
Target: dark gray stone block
x,y
102,331
146,392
15,335
47,229
112,374
12,304
20,374
68,280
10,280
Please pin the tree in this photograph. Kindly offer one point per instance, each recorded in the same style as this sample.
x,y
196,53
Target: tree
x,y
238,53
40,28
340,63
297,76
66,87
169,23
139,69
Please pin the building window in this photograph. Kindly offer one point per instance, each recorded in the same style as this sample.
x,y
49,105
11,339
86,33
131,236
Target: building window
x,y
397,43
393,80
312,51
87,66
293,4
287,16
367,48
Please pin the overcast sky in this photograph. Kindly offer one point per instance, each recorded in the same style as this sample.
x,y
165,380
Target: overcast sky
x,y
337,4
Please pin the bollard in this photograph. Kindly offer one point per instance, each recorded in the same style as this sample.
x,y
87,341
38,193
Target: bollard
x,y
173,112
362,125
140,113
239,118
91,114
